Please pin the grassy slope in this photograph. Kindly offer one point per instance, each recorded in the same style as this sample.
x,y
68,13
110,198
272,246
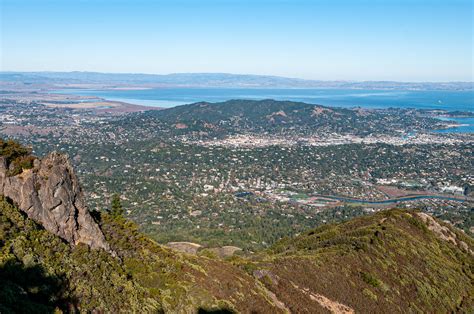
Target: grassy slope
x,y
388,262
40,273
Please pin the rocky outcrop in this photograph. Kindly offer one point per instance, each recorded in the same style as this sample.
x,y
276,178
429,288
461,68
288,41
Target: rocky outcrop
x,y
443,232
50,194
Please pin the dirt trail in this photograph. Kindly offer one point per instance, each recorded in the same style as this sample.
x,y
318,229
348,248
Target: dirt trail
x,y
330,305
277,302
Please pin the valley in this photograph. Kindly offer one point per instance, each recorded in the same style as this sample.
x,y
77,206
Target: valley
x,y
247,173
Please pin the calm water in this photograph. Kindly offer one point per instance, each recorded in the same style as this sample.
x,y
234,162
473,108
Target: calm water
x,y
170,97
467,126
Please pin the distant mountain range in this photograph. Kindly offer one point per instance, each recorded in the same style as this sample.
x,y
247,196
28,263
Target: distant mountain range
x,y
224,80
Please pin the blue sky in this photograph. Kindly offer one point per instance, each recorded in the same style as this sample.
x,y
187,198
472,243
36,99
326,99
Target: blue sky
x,y
405,40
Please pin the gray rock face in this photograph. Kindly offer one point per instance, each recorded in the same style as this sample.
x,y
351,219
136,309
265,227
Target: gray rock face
x,y
50,194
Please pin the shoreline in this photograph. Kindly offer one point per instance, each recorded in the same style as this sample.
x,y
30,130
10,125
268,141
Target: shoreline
x,y
104,105
158,104
341,98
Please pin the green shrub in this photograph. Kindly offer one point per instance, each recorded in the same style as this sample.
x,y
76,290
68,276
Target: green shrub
x,y
370,279
19,164
17,157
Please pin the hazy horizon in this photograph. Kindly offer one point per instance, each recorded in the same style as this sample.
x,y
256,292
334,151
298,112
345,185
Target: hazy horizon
x,y
403,41
230,74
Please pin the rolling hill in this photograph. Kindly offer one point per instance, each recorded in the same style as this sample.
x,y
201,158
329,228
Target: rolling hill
x,y
395,261
285,117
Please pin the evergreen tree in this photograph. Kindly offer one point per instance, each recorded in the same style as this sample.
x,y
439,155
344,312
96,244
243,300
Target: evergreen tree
x,y
116,208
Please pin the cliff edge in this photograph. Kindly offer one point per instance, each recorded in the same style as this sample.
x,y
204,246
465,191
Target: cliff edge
x,y
49,193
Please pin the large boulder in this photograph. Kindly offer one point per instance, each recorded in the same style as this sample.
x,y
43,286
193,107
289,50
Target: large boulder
x,y
50,194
